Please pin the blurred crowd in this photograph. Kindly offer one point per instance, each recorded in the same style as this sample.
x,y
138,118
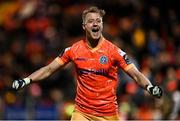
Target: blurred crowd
x,y
34,32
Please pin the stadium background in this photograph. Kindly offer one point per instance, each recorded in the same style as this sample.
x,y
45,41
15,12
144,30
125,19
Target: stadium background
x,y
34,32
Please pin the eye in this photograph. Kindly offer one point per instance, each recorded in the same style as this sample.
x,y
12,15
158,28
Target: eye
x,y
90,21
98,21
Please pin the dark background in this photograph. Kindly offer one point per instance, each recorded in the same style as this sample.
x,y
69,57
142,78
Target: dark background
x,y
34,32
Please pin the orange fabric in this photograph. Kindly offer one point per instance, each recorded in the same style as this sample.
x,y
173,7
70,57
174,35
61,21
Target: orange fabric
x,y
80,116
96,76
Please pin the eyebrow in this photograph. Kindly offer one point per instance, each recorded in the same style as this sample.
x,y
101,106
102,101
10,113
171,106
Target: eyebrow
x,y
95,19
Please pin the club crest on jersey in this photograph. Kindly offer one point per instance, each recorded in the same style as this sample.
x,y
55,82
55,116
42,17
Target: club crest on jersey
x,y
103,59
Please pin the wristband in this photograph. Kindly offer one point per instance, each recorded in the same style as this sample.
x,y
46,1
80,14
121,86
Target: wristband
x,y
27,80
148,87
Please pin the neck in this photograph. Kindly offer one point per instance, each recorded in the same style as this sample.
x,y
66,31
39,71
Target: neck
x,y
93,42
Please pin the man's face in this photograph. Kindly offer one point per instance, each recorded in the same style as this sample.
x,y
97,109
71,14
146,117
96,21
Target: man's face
x,y
93,25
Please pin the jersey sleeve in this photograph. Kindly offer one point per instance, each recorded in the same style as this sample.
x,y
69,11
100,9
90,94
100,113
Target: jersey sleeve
x,y
122,59
64,56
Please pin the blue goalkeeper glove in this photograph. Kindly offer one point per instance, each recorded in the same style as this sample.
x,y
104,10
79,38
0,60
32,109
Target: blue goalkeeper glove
x,y
20,83
155,91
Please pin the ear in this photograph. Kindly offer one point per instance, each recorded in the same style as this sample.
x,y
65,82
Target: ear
x,y
83,26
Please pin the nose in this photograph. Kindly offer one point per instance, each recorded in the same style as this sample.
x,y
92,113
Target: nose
x,y
95,23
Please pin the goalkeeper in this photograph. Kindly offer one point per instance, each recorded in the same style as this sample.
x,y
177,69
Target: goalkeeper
x,y
96,61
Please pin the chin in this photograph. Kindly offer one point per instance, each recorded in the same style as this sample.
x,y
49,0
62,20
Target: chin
x,y
96,38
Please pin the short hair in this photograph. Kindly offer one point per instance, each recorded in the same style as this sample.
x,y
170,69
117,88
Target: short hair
x,y
92,9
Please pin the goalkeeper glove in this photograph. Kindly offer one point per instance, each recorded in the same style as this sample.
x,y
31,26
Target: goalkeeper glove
x,y
156,91
20,83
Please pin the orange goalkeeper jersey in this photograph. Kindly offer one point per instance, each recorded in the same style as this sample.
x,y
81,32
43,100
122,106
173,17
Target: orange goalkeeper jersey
x,y
96,71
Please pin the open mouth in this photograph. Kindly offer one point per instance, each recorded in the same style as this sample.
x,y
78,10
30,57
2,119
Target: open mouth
x,y
95,29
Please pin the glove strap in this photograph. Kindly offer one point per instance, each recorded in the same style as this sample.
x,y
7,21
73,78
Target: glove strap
x,y
27,80
148,87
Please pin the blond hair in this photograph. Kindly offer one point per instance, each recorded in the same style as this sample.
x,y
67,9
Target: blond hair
x,y
92,9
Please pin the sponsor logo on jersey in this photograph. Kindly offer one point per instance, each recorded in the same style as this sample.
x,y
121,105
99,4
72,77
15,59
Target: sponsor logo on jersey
x,y
63,51
125,56
67,49
80,59
127,60
94,71
104,72
103,59
122,53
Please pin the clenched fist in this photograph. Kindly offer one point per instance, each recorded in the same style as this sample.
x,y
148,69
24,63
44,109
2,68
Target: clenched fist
x,y
20,83
156,91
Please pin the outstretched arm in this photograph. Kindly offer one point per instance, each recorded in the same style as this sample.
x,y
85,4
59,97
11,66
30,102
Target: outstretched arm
x,y
144,82
138,77
38,75
45,71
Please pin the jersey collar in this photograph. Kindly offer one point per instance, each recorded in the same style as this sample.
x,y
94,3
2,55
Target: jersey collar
x,y
95,48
